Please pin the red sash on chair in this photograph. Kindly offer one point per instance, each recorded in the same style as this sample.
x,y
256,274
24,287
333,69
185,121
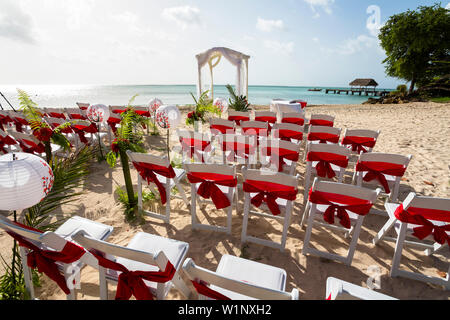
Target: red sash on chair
x,y
143,113
77,116
119,111
4,120
237,148
44,260
19,122
113,122
81,130
192,146
321,122
131,283
65,130
287,135
359,206
208,292
279,155
208,188
377,170
421,216
269,192
57,115
7,140
222,129
297,121
257,131
34,148
269,119
359,143
325,159
238,119
323,137
148,172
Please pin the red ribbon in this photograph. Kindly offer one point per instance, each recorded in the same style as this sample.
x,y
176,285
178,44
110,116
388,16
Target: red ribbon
x,y
131,283
359,143
208,188
192,146
81,130
377,170
269,192
113,122
269,119
222,129
323,137
143,113
420,217
32,148
297,121
325,159
77,116
208,292
257,131
44,260
356,205
237,148
287,135
57,115
19,122
43,134
280,156
148,172
321,122
6,140
238,119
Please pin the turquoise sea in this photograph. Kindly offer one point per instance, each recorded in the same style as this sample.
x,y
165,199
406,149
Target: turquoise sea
x,y
66,95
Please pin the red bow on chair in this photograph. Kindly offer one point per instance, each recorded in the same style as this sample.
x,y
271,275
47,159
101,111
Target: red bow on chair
x,y
208,188
44,260
359,206
320,122
77,116
4,120
279,155
323,137
81,130
359,143
203,289
34,148
113,122
325,159
377,170
269,192
148,172
297,121
131,283
143,113
192,146
19,122
6,140
57,115
420,216
238,119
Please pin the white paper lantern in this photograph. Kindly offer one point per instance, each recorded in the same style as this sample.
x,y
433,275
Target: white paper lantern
x,y
25,180
154,105
168,117
98,113
222,104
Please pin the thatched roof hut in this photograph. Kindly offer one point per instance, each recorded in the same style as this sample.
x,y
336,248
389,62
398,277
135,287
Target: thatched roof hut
x,y
363,83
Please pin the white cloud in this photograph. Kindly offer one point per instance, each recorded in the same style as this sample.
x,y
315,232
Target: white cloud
x,y
184,16
16,24
324,4
357,44
280,47
447,6
78,11
316,40
269,25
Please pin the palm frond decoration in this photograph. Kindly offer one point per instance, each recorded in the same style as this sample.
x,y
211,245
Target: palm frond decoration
x,y
238,103
203,106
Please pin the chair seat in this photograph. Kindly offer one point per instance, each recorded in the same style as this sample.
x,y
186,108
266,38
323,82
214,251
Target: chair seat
x,y
95,229
174,250
249,271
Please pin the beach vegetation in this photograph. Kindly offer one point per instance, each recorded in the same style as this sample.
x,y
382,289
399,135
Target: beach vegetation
x,y
238,103
202,107
129,136
417,45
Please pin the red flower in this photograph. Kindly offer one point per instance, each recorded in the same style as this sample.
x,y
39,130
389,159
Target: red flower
x,y
43,134
190,114
115,146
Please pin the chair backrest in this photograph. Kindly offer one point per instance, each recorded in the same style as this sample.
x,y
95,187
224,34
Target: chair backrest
x,y
323,133
367,139
189,134
148,158
4,134
55,112
266,116
23,137
221,126
329,148
345,190
196,273
117,109
54,122
283,129
83,106
342,290
293,117
211,168
270,176
321,120
325,129
436,209
75,113
255,128
238,116
142,111
228,141
278,144
385,157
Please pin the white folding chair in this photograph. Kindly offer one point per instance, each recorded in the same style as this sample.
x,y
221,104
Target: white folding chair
x,y
83,106
146,258
266,116
19,121
297,118
321,120
196,145
238,116
68,131
279,154
118,109
238,149
278,192
55,113
342,290
360,140
218,126
157,172
8,143
288,132
321,134
381,169
239,279
30,144
59,241
76,113
348,203
418,222
325,161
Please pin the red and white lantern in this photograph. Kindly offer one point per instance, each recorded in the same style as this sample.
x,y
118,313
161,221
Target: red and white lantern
x,y
154,105
168,117
98,113
222,104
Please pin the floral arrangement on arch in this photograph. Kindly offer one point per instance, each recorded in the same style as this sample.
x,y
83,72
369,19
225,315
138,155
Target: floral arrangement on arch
x,y
203,106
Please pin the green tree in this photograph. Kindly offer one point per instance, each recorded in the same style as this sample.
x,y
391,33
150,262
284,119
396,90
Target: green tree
x,y
416,42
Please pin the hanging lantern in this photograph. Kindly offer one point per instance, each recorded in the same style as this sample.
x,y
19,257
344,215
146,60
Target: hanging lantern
x,y
98,113
154,105
168,117
25,180
222,104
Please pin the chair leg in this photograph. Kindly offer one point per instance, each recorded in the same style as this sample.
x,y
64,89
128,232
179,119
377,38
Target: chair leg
x,y
305,214
398,250
354,241
245,221
308,232
27,274
193,207
103,283
287,221
167,217
385,229
139,187
182,192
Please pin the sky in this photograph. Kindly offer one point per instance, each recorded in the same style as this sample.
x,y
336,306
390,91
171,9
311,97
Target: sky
x,y
100,42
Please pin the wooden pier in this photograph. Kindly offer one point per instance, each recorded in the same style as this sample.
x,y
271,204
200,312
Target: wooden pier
x,y
366,92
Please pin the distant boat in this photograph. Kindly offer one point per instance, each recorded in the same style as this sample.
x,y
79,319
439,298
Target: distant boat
x,y
315,89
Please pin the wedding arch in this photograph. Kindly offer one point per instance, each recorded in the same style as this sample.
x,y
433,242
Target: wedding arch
x,y
213,56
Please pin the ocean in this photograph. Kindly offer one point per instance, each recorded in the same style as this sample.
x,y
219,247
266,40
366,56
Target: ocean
x,y
57,96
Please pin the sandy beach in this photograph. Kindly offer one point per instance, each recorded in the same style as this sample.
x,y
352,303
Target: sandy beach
x,y
419,129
